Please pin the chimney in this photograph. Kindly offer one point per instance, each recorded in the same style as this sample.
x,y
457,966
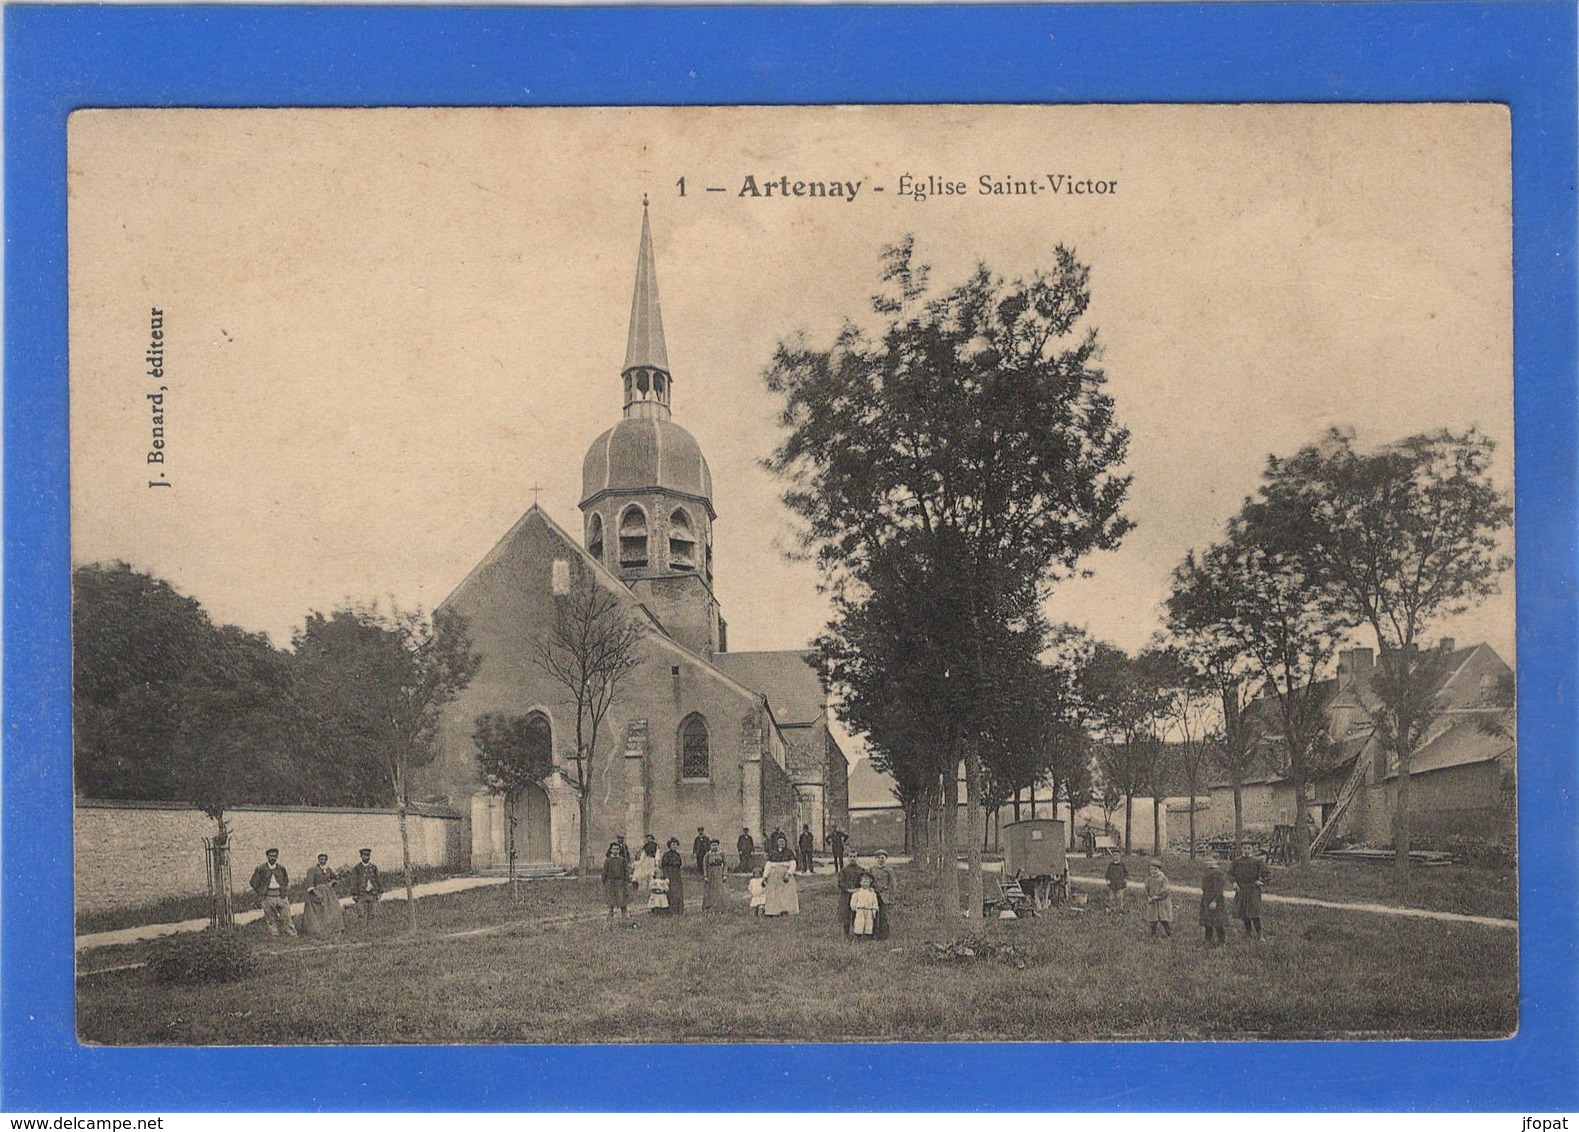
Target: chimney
x,y
1446,644
1355,664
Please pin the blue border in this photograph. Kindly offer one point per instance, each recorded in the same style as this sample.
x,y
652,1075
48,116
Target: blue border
x,y
60,58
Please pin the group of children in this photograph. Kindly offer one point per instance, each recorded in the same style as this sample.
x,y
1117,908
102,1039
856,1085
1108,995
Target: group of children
x,y
1248,873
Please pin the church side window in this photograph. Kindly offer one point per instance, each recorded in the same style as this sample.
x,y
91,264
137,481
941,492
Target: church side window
x,y
595,536
682,542
694,761
633,538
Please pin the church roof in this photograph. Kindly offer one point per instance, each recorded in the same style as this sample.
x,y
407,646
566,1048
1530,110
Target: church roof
x,y
645,345
786,678
646,454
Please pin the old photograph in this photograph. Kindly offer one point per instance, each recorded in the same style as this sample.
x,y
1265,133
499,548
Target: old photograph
x,y
793,574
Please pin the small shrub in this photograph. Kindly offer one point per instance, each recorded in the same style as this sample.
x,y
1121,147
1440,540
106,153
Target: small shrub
x,y
202,958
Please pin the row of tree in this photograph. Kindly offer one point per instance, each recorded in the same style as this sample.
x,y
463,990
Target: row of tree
x,y
957,458
169,706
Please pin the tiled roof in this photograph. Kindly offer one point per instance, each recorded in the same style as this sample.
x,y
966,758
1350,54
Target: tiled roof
x,y
786,678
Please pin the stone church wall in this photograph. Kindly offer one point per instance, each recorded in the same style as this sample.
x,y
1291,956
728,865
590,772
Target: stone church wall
x,y
131,854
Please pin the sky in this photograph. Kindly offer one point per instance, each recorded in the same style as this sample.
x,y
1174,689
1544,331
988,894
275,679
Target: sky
x,y
386,332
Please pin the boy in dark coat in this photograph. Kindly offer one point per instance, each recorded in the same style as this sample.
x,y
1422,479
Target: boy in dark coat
x,y
1214,904
1117,875
1250,874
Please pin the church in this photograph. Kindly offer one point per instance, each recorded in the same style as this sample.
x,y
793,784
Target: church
x,y
698,735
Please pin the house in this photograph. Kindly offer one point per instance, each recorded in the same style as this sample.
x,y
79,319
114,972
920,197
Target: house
x,y
1462,774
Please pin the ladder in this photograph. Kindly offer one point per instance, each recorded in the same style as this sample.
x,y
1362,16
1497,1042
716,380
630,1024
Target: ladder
x,y
1351,787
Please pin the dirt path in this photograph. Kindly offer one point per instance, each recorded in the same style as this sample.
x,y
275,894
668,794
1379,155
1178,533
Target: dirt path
x,y
1337,906
157,931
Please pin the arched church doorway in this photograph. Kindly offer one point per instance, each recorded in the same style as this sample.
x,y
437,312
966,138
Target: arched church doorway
x,y
530,809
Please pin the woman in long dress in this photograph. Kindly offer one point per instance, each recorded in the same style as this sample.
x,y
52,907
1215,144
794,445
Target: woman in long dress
x,y
672,866
321,913
782,893
713,878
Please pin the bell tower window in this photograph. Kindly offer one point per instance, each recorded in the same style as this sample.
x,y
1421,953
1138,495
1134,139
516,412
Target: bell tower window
x,y
633,538
595,536
682,543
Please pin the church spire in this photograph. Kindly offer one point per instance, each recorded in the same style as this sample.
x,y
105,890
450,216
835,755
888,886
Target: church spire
x,y
646,372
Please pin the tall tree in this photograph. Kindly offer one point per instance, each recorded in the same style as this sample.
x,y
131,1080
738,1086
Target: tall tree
x,y
590,650
378,683
169,706
970,430
1400,537
1226,671
513,753
1246,592
1192,720
1126,702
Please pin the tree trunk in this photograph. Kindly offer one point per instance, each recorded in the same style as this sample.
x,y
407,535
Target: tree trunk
x,y
1156,826
1239,810
1017,803
1192,819
584,854
948,846
1301,844
405,861
1129,815
1401,813
975,828
515,893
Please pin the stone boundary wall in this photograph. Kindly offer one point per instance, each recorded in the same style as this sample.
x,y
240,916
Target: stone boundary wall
x,y
130,854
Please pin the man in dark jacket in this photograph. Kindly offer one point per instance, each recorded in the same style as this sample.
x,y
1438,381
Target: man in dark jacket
x,y
747,848
366,887
273,886
699,849
805,843
837,840
849,881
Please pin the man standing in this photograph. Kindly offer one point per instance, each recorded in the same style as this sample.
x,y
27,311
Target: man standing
x,y
747,849
887,886
805,843
699,849
366,888
273,885
849,880
837,840
1117,876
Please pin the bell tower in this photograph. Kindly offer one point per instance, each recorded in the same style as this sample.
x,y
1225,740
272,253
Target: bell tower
x,y
647,493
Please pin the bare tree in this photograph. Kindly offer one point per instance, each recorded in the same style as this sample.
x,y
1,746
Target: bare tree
x,y
590,650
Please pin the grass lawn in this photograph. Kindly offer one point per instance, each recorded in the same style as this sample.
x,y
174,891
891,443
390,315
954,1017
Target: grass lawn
x,y
551,971
1468,889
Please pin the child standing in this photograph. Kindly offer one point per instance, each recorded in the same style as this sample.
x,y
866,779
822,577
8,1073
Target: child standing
x,y
616,880
1159,901
863,908
758,887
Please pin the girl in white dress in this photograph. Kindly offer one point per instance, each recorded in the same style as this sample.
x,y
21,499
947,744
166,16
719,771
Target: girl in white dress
x,y
863,907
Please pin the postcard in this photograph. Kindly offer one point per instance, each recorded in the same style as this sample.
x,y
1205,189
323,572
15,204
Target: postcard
x,y
935,573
